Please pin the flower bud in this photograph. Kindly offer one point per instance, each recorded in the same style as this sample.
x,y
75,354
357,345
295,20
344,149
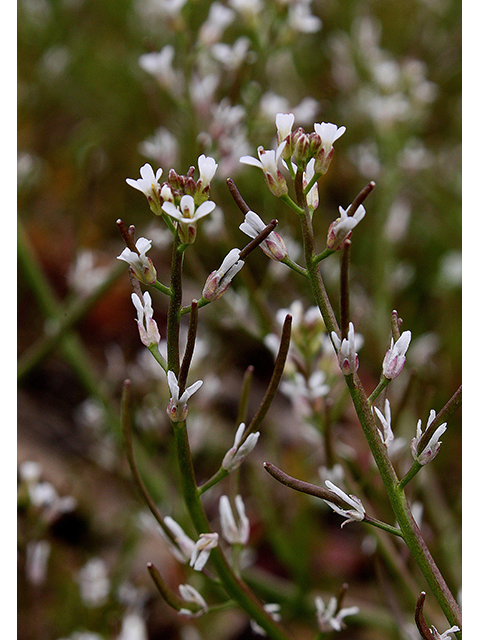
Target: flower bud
x,y
218,281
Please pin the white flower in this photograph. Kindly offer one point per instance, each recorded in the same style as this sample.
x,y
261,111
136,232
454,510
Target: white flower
x,y
219,17
141,266
184,549
329,619
274,610
147,327
395,357
284,123
268,162
218,281
190,594
133,627
445,635
387,433
312,195
433,446
356,513
301,19
303,392
201,551
273,246
159,64
233,56
207,168
38,552
347,356
328,133
342,227
236,455
232,532
177,407
94,583
148,184
29,471
188,215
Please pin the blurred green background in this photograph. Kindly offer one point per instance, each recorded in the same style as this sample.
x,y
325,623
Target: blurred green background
x,y
389,71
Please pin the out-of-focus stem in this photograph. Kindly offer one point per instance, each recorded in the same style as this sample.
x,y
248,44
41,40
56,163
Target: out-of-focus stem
x,y
345,290
274,379
128,444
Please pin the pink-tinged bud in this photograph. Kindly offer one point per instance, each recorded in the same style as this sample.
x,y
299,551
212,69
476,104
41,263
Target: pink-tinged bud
x,y
218,281
274,246
302,150
315,144
190,187
347,356
395,357
341,228
175,181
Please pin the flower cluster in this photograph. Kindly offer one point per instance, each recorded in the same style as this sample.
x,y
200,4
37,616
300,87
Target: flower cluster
x,y
183,198
296,149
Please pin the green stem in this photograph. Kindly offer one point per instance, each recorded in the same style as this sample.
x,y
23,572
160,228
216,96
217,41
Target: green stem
x,y
378,390
321,256
161,287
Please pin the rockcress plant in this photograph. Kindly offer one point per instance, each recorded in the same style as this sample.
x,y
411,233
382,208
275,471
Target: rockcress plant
x,y
291,171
